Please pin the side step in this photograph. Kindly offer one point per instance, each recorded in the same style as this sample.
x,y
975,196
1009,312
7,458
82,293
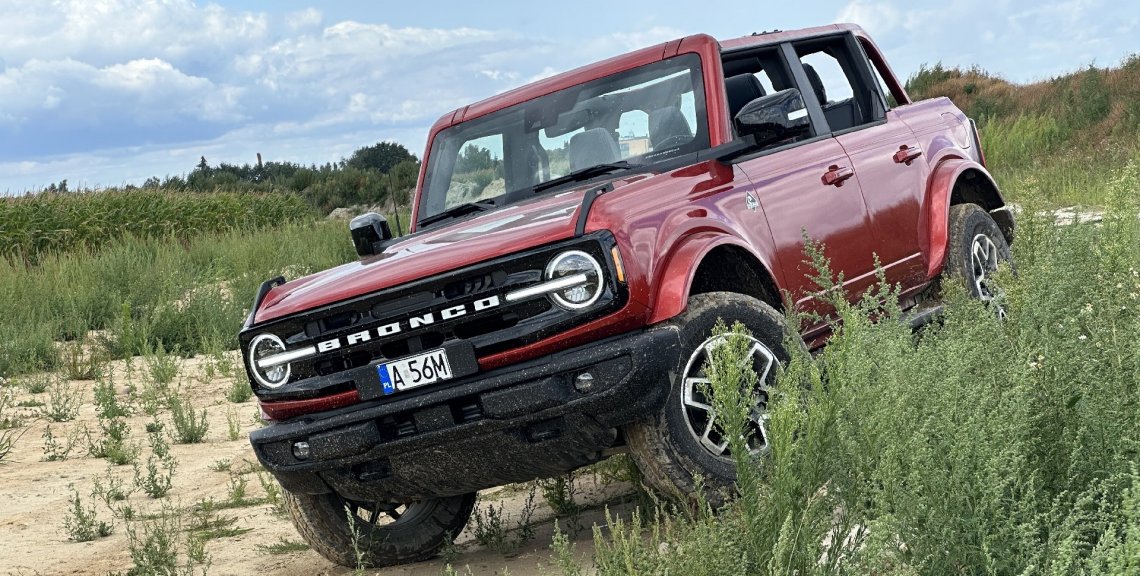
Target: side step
x,y
922,314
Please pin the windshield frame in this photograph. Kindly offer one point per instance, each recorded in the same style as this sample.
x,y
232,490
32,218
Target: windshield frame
x,y
521,121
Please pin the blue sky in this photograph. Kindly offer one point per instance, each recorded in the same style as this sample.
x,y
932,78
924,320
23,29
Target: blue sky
x,y
107,92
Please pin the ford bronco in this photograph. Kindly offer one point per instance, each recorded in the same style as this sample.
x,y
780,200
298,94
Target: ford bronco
x,y
573,242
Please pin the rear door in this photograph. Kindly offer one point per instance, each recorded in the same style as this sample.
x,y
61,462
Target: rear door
x,y
807,185
883,151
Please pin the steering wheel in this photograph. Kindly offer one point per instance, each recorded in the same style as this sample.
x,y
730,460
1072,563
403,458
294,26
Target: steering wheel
x,y
673,141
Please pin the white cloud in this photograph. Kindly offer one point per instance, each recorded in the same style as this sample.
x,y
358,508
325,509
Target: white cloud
x,y
308,18
111,31
112,91
68,90
1018,40
875,17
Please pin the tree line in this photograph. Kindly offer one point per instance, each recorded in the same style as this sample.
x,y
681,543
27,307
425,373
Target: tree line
x,y
380,173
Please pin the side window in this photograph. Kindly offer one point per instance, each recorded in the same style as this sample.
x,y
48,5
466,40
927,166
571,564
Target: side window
x,y
478,171
892,99
840,84
765,81
757,73
834,86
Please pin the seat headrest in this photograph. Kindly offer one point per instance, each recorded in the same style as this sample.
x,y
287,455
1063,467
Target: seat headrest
x,y
816,84
593,146
742,89
667,123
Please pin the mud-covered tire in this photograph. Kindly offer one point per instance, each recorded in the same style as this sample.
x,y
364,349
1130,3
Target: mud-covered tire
x,y
972,232
663,447
417,535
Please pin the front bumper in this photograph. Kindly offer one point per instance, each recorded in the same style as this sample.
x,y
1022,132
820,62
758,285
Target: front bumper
x,y
508,425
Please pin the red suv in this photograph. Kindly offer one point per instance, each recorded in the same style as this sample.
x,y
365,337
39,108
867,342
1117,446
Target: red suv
x,y
573,243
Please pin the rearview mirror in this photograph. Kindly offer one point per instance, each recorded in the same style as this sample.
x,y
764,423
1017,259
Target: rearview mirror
x,y
775,117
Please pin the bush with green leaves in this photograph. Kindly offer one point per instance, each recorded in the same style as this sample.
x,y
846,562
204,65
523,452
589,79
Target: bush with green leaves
x,y
112,443
189,427
81,523
10,431
63,402
161,545
974,446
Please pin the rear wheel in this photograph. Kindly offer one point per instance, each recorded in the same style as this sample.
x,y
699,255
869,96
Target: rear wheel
x,y
683,441
385,533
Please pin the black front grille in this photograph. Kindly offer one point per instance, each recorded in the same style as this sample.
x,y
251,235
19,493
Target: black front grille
x,y
489,330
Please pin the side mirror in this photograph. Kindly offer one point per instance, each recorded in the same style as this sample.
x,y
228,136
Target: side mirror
x,y
370,232
775,117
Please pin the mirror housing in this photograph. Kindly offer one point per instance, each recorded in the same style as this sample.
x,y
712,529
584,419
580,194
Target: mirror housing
x,y
370,233
775,117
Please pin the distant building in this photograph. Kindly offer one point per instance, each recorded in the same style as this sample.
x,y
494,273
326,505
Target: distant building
x,y
633,146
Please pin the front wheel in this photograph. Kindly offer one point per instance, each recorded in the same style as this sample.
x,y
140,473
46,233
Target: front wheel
x,y
683,440
384,534
976,248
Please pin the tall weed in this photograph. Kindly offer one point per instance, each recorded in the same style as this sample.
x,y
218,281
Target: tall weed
x,y
138,292
975,446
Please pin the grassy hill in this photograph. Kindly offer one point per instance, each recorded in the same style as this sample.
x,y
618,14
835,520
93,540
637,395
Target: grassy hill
x,y
1060,138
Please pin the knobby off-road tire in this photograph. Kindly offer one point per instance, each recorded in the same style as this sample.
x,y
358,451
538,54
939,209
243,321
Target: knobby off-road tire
x,y
667,448
976,248
416,534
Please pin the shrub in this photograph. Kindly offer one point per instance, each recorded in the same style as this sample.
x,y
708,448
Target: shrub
x,y
240,390
155,545
189,428
63,402
81,523
8,424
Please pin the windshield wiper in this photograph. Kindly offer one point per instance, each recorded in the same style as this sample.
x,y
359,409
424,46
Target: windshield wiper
x,y
585,173
460,210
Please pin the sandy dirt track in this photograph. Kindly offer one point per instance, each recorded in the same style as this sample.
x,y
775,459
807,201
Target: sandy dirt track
x,y
34,497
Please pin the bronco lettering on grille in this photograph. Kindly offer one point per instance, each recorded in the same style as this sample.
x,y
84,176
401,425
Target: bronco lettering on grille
x,y
412,323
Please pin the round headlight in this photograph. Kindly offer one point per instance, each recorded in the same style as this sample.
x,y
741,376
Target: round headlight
x,y
574,263
263,346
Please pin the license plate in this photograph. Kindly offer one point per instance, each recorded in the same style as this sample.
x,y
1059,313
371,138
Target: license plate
x,y
413,371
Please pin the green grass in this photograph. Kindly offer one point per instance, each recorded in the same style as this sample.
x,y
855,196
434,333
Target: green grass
x,y
35,225
282,546
975,447
149,293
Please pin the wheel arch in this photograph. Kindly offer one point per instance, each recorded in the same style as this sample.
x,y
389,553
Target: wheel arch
x,y
958,181
711,262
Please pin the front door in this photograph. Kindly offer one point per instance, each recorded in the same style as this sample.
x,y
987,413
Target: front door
x,y
790,185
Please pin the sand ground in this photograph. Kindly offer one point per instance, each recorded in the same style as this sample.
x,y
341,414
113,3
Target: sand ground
x,y
34,494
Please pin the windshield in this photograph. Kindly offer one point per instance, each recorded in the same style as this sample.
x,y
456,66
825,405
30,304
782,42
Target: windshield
x,y
641,116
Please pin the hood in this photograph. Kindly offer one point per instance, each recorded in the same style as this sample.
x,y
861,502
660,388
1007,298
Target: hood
x,y
447,247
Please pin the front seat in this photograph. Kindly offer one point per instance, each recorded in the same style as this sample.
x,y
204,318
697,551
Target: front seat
x,y
591,147
742,89
668,128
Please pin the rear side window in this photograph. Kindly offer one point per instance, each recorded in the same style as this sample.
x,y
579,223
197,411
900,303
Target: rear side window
x,y
835,85
841,82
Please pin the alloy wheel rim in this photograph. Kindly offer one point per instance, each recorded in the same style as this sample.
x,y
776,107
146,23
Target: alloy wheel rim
x,y
699,414
379,514
983,261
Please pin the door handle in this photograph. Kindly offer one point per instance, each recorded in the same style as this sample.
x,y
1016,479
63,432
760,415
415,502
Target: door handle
x,y
836,175
907,154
